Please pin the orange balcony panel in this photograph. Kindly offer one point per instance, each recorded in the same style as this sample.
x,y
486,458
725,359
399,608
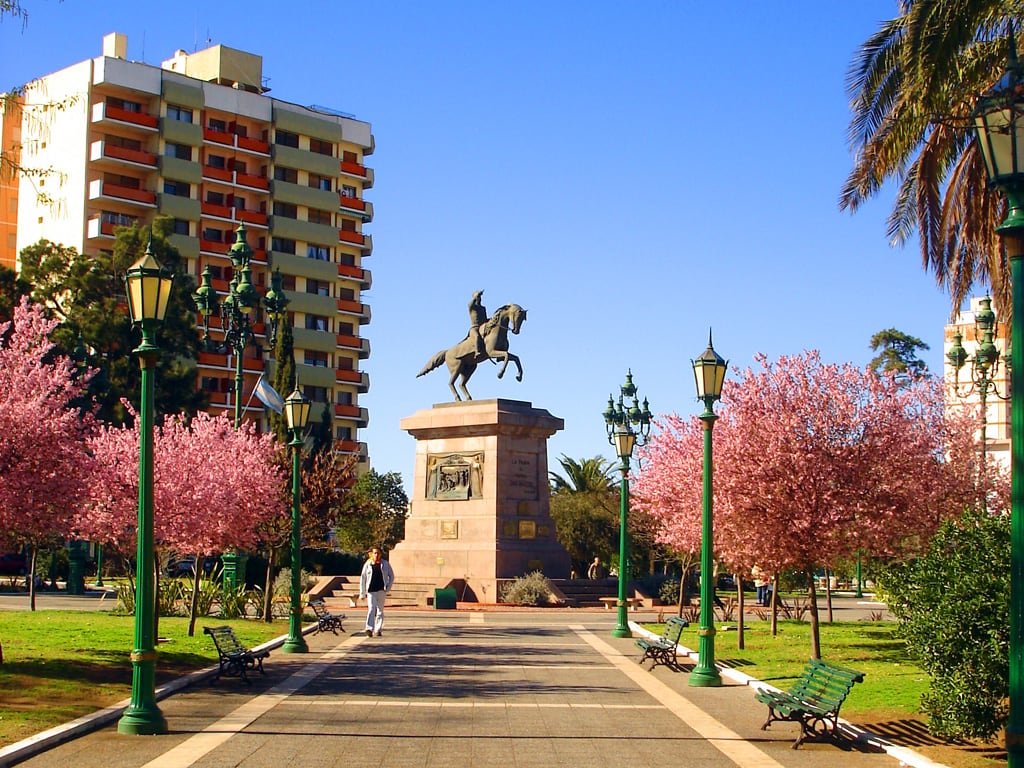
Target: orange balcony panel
x,y
220,285
348,236
258,328
212,209
347,374
346,446
138,118
252,364
212,358
352,202
223,174
345,340
251,217
253,145
212,246
259,182
131,155
346,305
353,168
350,411
107,227
218,136
350,270
259,256
128,193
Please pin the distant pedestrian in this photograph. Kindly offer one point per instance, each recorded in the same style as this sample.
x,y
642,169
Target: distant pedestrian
x,y
374,584
595,571
760,584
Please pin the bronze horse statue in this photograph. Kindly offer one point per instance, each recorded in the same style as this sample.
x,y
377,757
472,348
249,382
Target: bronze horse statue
x,y
463,358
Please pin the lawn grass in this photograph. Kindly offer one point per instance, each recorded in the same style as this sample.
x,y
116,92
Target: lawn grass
x,y
59,665
886,703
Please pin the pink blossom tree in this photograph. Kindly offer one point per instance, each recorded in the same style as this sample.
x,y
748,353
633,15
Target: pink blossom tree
x,y
43,458
813,463
213,486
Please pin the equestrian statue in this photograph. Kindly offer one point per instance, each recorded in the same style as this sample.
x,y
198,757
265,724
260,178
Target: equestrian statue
x,y
487,340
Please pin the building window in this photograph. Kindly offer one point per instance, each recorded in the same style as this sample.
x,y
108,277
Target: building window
x,y
346,293
321,147
344,397
130,182
318,287
286,174
346,329
316,323
345,364
181,227
288,210
286,138
177,188
215,235
282,245
241,130
239,167
350,157
316,216
343,433
316,359
180,151
121,141
179,113
211,384
217,161
316,394
214,198
320,182
238,202
318,252
348,191
217,126
348,259
127,106
348,225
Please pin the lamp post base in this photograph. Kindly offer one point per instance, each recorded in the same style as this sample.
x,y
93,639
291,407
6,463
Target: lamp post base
x,y
292,645
145,721
622,632
705,678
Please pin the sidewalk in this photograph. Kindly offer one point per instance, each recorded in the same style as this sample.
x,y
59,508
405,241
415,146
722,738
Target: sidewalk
x,y
514,690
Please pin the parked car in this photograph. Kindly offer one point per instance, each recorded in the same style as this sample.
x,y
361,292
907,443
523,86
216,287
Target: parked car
x,y
187,566
13,564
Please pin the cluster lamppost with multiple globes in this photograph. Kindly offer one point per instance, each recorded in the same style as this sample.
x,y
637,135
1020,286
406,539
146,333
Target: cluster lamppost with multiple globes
x,y
984,368
149,288
628,426
999,125
709,370
296,412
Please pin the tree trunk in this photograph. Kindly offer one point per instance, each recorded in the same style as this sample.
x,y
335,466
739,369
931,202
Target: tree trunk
x,y
268,588
775,604
31,578
682,593
739,608
193,604
815,634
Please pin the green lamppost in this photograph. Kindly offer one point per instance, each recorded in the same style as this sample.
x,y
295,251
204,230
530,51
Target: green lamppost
x,y
999,122
149,287
620,421
984,366
235,311
709,371
296,412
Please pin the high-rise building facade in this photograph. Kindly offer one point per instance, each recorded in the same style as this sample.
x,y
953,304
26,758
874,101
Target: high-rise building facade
x,y
198,140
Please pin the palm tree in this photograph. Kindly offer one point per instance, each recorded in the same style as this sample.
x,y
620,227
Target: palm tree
x,y
913,85
586,476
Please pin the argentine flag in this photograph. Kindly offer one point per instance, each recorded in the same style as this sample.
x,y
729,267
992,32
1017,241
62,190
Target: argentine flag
x,y
268,395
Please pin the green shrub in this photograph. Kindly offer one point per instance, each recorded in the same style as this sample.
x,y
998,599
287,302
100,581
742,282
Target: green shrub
x,y
283,582
668,593
532,589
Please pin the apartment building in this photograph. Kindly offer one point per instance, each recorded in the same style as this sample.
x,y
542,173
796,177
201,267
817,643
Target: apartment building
x,y
197,139
962,387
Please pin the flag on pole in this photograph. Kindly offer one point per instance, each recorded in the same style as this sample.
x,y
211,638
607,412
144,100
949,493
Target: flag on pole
x,y
268,395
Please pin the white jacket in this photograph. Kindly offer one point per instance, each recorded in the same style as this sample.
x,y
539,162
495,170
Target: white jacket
x,y
364,578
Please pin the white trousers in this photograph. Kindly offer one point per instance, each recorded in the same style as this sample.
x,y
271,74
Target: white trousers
x,y
375,610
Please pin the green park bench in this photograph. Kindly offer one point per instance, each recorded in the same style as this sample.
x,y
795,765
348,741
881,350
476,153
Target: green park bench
x,y
325,620
662,650
813,701
235,659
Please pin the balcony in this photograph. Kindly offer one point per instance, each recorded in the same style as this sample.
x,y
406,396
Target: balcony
x,y
254,182
104,113
218,137
362,311
220,174
102,151
216,211
362,345
251,217
350,236
213,246
253,145
360,378
100,189
349,168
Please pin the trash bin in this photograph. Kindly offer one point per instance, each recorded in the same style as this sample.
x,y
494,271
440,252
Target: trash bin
x,y
444,599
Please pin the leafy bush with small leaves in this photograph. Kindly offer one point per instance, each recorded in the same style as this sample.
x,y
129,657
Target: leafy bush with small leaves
x,y
953,608
532,589
283,582
669,592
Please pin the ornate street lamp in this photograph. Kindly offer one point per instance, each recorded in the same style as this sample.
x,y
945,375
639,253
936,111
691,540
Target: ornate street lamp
x,y
235,311
709,371
984,368
620,420
296,412
999,122
149,287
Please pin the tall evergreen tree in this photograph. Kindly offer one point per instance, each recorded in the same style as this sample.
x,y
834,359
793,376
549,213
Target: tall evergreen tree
x,y
897,353
284,376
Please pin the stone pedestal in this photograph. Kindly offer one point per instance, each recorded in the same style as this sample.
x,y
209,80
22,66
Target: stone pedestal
x,y
479,514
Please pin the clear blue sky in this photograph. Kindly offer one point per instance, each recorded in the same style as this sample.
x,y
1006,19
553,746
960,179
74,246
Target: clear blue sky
x,y
631,173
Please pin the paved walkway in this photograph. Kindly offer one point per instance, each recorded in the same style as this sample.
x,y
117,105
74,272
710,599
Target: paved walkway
x,y
467,689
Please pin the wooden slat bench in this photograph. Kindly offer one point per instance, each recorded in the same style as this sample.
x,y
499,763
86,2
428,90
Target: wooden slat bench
x,y
813,701
235,659
613,602
663,650
325,620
